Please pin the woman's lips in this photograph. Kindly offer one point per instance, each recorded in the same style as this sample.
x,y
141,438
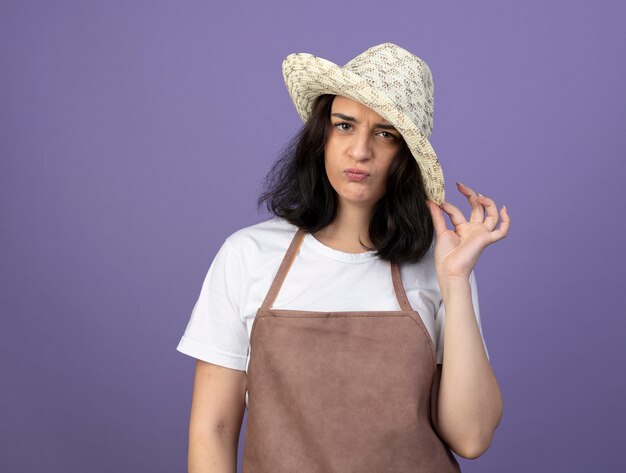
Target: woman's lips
x,y
354,174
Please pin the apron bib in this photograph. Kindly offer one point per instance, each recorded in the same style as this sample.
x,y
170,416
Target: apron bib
x,y
341,392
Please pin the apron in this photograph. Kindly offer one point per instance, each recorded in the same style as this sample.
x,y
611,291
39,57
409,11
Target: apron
x,y
341,392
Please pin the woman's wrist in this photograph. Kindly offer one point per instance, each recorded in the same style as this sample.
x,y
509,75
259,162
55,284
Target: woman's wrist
x,y
452,285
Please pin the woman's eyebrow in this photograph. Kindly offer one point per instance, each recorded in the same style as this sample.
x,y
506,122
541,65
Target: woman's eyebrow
x,y
348,118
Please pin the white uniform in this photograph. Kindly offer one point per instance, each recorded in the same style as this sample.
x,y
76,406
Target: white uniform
x,y
321,279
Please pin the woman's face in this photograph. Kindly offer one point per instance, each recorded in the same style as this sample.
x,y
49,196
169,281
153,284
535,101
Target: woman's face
x,y
359,150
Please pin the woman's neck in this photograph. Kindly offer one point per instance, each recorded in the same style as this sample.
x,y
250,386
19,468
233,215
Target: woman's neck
x,y
350,225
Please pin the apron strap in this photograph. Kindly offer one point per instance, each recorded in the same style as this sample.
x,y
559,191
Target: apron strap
x,y
289,257
398,287
290,254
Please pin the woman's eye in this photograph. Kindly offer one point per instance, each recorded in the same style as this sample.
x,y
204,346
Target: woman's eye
x,y
387,135
342,125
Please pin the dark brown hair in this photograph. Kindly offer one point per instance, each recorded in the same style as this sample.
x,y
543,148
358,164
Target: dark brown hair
x,y
297,189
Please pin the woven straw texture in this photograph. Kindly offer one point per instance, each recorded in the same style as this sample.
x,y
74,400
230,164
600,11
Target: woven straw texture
x,y
388,79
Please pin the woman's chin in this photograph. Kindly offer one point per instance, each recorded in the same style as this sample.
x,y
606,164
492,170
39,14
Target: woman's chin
x,y
360,200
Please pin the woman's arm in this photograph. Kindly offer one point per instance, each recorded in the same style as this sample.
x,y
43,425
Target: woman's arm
x,y
217,410
469,399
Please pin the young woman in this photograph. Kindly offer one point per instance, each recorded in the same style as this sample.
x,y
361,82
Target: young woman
x,y
330,320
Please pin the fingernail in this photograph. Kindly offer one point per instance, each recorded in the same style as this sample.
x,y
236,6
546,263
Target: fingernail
x,y
481,194
504,207
459,184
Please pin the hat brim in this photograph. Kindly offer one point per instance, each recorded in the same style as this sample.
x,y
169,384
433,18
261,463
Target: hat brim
x,y
307,77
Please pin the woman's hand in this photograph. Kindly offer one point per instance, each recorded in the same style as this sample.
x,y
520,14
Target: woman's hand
x,y
457,250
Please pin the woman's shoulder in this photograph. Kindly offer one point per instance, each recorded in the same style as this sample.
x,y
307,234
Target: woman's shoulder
x,y
265,237
421,273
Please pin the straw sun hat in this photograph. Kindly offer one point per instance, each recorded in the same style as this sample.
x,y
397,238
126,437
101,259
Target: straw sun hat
x,y
388,79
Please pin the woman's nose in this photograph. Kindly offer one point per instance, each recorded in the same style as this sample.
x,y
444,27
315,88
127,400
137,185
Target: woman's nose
x,y
360,147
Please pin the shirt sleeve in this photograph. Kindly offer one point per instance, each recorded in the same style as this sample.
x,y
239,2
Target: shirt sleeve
x,y
441,319
216,333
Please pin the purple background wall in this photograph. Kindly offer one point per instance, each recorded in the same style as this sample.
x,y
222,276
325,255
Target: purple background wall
x,y
133,140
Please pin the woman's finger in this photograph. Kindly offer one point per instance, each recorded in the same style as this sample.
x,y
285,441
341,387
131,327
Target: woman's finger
x,y
491,221
478,211
456,216
501,232
438,221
